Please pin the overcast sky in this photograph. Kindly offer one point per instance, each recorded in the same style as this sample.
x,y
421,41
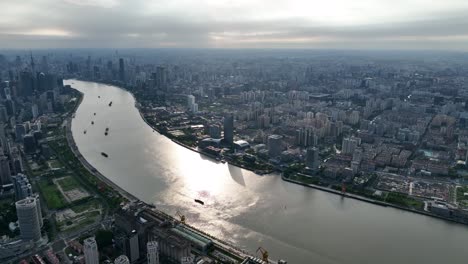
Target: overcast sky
x,y
341,24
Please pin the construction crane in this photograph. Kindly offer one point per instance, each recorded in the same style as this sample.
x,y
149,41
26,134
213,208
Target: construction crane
x,y
264,254
181,216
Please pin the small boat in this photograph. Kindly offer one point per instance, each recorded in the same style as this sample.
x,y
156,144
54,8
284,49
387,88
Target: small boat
x,y
92,122
98,96
199,201
107,129
104,154
84,132
94,113
110,104
105,134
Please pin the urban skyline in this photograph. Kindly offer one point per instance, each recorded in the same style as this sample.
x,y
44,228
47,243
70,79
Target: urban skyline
x,y
234,132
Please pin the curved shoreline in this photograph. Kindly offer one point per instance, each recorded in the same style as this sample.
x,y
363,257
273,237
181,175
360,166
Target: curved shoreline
x,y
85,163
193,149
130,197
317,187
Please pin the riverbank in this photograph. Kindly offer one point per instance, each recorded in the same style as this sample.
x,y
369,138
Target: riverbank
x,y
373,201
215,158
85,163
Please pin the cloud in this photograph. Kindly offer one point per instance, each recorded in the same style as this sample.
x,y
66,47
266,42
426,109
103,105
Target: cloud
x,y
96,3
364,24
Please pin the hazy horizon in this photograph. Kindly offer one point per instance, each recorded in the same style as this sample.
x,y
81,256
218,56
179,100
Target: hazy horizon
x,y
257,24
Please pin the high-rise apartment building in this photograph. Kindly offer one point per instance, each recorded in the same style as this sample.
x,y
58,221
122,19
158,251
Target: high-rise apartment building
x,y
229,128
28,218
21,186
312,158
275,145
152,252
5,173
90,250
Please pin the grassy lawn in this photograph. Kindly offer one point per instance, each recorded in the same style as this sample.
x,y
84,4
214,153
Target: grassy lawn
x,y
403,200
461,198
305,179
55,164
52,195
68,183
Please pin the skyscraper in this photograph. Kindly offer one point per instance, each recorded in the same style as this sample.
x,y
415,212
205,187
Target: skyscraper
x,y
122,259
3,139
312,158
121,70
5,174
350,144
161,78
275,145
29,143
28,218
22,186
153,252
90,250
128,244
38,208
191,105
229,128
26,84
35,111
20,130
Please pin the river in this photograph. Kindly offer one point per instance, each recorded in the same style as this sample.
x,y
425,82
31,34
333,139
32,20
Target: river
x,y
295,223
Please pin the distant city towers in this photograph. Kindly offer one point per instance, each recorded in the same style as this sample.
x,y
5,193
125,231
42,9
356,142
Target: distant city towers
x,y
121,70
229,128
90,250
161,78
191,105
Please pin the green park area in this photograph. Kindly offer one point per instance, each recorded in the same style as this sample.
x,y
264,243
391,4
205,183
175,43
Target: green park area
x,y
403,200
68,183
51,194
7,215
305,179
81,176
462,196
55,164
